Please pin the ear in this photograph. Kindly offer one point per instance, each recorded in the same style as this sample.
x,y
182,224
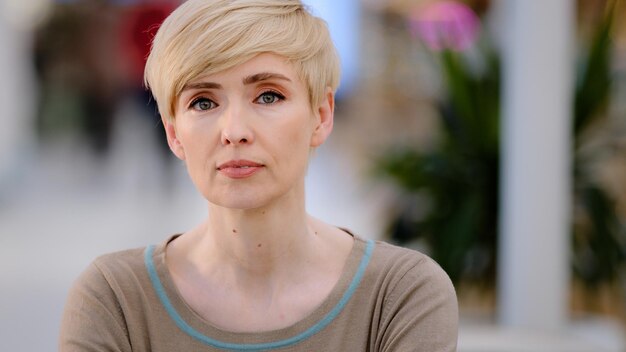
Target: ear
x,y
324,119
172,139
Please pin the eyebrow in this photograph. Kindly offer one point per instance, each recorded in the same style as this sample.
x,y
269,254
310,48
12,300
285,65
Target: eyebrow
x,y
258,77
264,76
202,85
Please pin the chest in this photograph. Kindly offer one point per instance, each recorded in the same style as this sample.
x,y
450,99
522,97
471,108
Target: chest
x,y
250,310
354,328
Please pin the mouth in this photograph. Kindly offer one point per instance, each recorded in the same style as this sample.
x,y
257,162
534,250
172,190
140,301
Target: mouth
x,y
239,168
239,164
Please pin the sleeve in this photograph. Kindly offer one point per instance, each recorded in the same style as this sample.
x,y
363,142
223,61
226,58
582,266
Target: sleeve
x,y
92,319
421,312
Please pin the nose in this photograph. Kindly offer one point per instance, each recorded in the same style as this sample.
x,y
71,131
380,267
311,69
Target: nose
x,y
236,129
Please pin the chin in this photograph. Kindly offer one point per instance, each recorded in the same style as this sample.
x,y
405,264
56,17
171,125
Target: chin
x,y
239,201
238,205
251,197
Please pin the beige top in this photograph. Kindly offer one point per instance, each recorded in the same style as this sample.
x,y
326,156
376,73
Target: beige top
x,y
387,299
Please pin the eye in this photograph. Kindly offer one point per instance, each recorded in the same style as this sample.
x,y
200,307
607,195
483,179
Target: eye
x,y
269,97
202,104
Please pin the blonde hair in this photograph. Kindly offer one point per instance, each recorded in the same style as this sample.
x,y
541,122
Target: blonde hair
x,y
203,37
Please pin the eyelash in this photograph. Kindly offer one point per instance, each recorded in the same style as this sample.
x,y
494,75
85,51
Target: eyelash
x,y
197,100
274,94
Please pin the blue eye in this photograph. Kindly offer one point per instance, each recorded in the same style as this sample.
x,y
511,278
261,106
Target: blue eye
x,y
203,104
269,97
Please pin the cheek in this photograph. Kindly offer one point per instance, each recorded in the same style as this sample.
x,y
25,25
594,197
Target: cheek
x,y
292,133
196,143
298,131
295,142
197,136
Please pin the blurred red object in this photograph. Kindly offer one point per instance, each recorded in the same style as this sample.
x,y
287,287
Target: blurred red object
x,y
139,24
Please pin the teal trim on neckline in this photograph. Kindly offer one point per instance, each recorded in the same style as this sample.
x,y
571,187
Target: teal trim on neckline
x,y
167,304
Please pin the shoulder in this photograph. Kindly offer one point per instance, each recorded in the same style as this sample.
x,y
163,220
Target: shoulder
x,y
94,310
120,263
112,275
418,300
108,274
403,265
408,279
113,264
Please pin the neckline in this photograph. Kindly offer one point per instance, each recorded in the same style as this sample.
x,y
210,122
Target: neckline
x,y
198,328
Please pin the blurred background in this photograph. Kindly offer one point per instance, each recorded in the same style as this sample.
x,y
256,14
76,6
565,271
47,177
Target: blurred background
x,y
489,134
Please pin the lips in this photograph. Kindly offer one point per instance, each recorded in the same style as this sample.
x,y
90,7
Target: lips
x,y
239,168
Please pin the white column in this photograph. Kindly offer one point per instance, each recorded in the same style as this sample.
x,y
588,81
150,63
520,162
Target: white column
x,y
535,223
18,100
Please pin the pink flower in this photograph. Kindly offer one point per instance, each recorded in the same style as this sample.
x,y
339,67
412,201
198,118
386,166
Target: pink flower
x,y
445,25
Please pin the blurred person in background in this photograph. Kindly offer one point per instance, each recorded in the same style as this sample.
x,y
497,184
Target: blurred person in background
x,y
245,89
139,23
79,72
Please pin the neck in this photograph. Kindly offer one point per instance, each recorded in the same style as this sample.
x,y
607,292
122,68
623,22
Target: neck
x,y
257,238
258,244
259,255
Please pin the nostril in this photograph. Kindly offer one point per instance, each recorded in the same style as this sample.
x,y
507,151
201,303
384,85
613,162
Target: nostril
x,y
236,138
227,141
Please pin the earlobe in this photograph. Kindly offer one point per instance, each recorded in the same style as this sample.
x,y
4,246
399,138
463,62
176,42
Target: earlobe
x,y
325,119
172,139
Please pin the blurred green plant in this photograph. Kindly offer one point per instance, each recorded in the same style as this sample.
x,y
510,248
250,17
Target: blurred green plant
x,y
599,239
454,187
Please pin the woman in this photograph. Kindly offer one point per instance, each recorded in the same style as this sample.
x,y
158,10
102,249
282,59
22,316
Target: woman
x,y
246,91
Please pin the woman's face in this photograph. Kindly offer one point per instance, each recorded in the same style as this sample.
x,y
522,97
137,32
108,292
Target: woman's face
x,y
246,133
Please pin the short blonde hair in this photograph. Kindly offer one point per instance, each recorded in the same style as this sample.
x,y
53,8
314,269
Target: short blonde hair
x,y
203,37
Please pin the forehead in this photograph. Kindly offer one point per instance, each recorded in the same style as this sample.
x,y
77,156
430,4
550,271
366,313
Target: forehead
x,y
266,66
